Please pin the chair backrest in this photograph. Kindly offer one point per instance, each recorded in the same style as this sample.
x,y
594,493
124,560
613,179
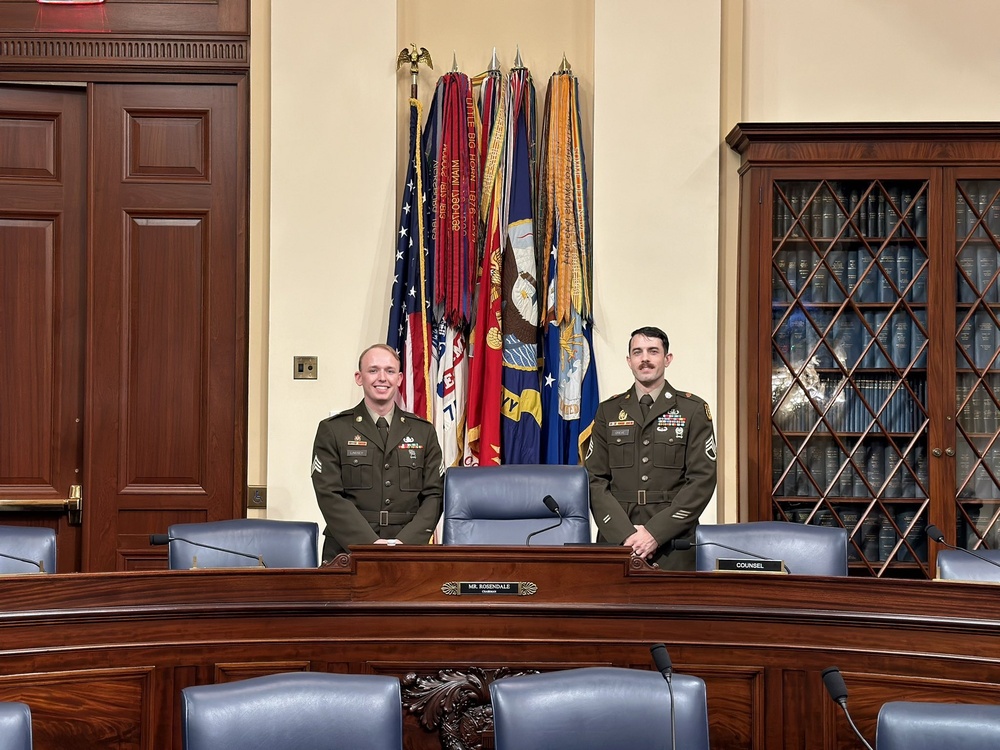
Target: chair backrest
x,y
806,550
294,711
15,726
596,708
503,504
903,725
955,565
281,544
31,543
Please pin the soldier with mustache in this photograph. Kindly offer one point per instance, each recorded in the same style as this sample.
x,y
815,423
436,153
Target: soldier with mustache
x,y
652,459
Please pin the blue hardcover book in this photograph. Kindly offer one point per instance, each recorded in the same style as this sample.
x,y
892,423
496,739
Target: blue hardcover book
x,y
849,516
806,261
893,473
780,281
875,470
797,345
985,340
860,461
886,541
837,260
921,216
918,271
873,215
968,265
820,282
902,339
868,278
851,272
904,270
870,531
884,344
831,465
966,350
986,268
782,338
909,482
829,224
914,529
918,350
889,275
922,469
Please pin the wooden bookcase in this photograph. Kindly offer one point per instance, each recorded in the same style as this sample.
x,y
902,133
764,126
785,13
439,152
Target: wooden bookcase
x,y
870,331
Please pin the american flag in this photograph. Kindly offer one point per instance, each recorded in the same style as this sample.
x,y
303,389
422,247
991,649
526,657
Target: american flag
x,y
409,330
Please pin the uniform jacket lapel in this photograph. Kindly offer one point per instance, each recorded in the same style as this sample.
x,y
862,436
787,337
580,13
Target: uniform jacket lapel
x,y
630,405
365,426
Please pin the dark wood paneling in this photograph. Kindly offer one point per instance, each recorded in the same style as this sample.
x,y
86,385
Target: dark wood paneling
x,y
166,438
760,643
123,16
42,248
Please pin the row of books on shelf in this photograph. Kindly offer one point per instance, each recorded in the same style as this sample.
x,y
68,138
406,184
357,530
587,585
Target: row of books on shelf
x,y
874,538
978,266
972,469
860,404
857,272
979,413
818,469
799,210
901,339
979,340
976,214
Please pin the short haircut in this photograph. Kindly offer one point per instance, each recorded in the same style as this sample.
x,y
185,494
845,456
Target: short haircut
x,y
388,348
650,332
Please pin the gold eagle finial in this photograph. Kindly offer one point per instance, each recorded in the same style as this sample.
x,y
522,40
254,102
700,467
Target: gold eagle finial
x,y
414,57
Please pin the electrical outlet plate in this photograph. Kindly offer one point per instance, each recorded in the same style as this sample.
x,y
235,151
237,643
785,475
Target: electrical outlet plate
x,y
305,368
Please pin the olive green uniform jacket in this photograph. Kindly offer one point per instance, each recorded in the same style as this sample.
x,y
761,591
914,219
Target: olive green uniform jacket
x,y
659,472
367,490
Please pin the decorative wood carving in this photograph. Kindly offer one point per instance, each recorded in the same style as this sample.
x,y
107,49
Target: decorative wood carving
x,y
456,702
102,52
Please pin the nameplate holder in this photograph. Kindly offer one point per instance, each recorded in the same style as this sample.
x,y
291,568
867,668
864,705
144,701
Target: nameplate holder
x,y
730,565
489,588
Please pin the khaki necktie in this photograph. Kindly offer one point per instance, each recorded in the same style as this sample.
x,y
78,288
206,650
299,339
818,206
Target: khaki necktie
x,y
644,403
383,430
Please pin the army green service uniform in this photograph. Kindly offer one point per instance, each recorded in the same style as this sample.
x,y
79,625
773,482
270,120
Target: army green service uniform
x,y
367,490
659,472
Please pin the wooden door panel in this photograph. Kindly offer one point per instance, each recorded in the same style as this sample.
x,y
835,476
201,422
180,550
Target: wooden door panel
x,y
42,276
165,441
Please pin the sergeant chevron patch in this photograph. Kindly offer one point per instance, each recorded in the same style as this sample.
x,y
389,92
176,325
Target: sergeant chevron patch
x,y
317,465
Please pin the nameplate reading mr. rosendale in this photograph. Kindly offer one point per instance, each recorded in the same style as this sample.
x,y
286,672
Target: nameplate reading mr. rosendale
x,y
489,588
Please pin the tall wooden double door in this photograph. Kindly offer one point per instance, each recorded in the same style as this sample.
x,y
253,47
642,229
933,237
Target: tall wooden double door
x,y
123,209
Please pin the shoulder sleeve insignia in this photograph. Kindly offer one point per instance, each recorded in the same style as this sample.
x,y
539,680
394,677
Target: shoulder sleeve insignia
x,y
708,412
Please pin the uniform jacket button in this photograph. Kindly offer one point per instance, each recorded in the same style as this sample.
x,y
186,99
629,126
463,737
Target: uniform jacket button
x,y
645,478
388,483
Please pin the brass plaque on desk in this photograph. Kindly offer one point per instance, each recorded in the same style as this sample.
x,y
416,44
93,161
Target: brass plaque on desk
x,y
489,588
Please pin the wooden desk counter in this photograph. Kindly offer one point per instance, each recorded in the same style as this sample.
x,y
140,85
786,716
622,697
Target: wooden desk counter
x,y
101,657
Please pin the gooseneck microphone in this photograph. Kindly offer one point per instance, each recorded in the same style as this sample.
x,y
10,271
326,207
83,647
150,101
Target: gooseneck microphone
x,y
837,689
683,544
935,534
160,539
666,668
37,563
552,505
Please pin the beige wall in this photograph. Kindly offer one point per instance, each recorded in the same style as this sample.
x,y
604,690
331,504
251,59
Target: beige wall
x,y
664,81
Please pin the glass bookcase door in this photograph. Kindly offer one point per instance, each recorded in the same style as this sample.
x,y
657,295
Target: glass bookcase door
x,y
977,342
849,419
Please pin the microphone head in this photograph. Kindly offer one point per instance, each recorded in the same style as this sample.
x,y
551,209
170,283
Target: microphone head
x,y
934,533
835,685
157,539
551,504
661,658
683,544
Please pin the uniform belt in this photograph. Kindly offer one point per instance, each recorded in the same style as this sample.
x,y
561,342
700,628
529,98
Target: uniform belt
x,y
644,497
385,518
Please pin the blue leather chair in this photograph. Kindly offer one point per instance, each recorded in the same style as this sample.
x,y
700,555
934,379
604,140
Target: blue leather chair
x,y
294,711
903,725
31,543
806,550
15,726
503,504
955,565
281,544
598,708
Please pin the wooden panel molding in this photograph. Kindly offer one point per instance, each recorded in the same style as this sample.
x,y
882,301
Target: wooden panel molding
x,y
102,53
